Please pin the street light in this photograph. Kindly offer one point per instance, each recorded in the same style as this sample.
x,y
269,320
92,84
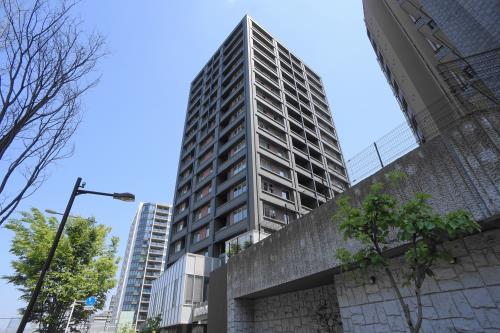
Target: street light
x,y
53,212
77,190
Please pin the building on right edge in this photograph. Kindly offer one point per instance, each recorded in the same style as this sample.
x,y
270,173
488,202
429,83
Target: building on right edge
x,y
441,57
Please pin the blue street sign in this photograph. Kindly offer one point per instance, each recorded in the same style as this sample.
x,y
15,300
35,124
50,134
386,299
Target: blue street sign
x,y
90,301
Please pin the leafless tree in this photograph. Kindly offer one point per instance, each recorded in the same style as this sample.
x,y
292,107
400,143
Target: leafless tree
x,y
46,64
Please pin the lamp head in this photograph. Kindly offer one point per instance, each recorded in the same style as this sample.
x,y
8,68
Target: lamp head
x,y
128,197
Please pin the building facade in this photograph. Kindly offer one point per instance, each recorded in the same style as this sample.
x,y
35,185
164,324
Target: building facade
x,y
144,261
259,146
180,291
441,58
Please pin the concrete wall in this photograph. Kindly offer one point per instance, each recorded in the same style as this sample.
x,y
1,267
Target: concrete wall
x,y
298,311
463,297
460,169
311,310
217,301
472,26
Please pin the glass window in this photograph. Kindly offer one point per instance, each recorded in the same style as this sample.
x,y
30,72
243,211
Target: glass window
x,y
174,294
267,186
239,189
188,298
239,214
198,289
239,167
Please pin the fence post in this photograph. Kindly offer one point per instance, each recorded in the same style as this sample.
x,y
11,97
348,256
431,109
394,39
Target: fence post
x,y
378,154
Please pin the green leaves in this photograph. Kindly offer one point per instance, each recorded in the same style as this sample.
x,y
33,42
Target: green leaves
x,y
84,264
380,221
152,325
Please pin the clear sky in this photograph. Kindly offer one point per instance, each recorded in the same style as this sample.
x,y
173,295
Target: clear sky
x,y
132,129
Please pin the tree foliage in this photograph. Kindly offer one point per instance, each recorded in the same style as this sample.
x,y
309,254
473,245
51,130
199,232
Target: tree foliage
x,y
45,66
234,249
152,325
126,328
382,222
84,265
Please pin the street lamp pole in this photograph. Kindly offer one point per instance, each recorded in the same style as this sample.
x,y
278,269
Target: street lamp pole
x,y
77,189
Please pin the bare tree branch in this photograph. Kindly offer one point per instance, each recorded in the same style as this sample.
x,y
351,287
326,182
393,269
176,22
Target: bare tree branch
x,y
45,67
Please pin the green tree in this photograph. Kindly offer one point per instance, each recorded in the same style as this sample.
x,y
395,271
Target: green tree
x,y
127,328
382,222
152,325
84,265
234,249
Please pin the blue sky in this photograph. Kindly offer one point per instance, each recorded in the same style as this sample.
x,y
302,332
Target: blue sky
x,y
132,129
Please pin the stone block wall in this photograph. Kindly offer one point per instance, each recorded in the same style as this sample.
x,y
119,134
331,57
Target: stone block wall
x,y
312,310
463,297
459,168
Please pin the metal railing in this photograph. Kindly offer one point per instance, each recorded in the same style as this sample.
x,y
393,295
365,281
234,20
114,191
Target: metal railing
x,y
385,150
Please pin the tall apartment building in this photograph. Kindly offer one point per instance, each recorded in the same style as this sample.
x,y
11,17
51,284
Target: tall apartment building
x,y
441,57
259,146
144,261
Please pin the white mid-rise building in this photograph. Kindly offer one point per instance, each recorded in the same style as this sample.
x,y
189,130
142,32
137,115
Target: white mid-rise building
x,y
180,290
144,261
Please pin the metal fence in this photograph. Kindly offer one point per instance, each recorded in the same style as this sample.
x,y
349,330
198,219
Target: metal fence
x,y
474,84
385,150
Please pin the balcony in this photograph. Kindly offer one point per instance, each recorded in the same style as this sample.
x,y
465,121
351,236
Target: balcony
x,y
264,49
262,36
271,129
238,41
265,59
231,205
267,85
261,69
272,116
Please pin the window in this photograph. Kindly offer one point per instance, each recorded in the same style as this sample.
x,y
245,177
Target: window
x,y
415,19
178,246
267,186
184,189
205,191
237,148
202,212
182,207
185,174
207,155
179,226
174,294
188,298
236,131
205,173
435,46
270,212
274,168
239,189
285,194
207,140
239,215
201,234
235,115
238,167
276,213
273,148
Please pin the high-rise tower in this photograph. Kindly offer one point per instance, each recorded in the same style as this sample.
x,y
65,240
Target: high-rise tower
x,y
259,146
144,261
